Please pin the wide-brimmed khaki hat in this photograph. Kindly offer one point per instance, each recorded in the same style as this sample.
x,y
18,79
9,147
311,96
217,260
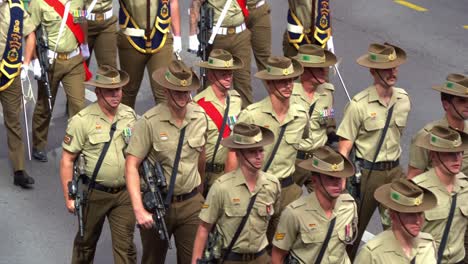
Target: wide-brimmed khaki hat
x,y
248,136
108,77
177,76
314,56
327,161
443,139
403,196
456,84
220,59
280,68
382,56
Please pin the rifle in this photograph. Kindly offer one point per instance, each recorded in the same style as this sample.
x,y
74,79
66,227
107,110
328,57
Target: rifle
x,y
212,252
205,26
76,193
152,196
42,53
353,184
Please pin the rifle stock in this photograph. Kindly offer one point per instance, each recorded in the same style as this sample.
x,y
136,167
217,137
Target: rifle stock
x,y
76,193
42,49
205,26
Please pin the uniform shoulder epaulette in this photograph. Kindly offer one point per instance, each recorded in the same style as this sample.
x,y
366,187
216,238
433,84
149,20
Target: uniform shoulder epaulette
x,y
346,197
400,91
327,87
234,93
299,202
271,178
153,112
418,179
253,106
128,110
196,108
425,236
299,107
374,244
361,95
84,112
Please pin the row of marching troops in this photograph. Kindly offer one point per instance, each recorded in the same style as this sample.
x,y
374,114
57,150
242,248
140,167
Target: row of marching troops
x,y
233,169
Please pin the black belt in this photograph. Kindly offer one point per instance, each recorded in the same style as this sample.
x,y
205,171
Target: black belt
x,y
285,182
379,166
184,197
233,256
102,188
214,167
303,155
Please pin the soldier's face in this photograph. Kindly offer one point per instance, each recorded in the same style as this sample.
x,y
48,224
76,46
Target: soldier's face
x,y
177,99
222,78
281,88
387,76
112,97
332,185
254,156
316,76
458,104
449,163
412,222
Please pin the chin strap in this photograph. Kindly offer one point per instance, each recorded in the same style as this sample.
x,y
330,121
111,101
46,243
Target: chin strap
x,y
323,187
242,153
456,111
175,102
315,77
403,225
280,94
443,164
380,76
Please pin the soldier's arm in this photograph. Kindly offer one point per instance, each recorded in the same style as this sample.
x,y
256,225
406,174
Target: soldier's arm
x,y
66,175
30,47
413,172
345,146
195,16
278,255
201,169
200,240
349,128
175,17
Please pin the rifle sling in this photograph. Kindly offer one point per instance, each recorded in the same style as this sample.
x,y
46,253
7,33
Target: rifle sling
x,y
175,168
239,228
443,242
221,130
275,148
311,109
325,242
101,157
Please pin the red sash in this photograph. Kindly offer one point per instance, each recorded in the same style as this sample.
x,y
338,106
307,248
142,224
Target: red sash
x,y
216,116
74,28
243,6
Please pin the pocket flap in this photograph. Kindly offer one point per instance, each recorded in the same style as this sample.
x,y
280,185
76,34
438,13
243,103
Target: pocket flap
x,y
436,214
196,142
99,138
51,16
314,236
374,124
291,138
464,210
235,211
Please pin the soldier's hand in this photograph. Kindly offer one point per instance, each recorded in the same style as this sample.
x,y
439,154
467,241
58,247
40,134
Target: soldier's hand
x,y
177,46
85,51
330,45
144,219
24,72
193,43
70,204
36,69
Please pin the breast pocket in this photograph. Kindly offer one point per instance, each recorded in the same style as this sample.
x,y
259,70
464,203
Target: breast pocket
x,y
401,119
312,238
438,214
234,215
464,211
96,141
196,143
292,139
51,16
372,124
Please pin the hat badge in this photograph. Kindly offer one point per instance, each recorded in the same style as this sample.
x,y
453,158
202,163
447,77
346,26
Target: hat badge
x,y
392,57
417,201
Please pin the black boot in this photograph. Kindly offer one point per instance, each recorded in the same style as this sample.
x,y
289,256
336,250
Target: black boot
x,y
39,155
23,179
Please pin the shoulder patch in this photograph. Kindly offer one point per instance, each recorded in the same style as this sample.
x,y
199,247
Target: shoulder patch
x,y
67,139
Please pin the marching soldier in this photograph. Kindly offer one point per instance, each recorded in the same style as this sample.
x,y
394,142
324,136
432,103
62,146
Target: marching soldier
x,y
448,221
245,193
404,243
173,134
99,133
315,94
316,228
309,22
233,36
15,24
102,32
373,122
287,121
145,41
67,64
455,104
216,99
259,23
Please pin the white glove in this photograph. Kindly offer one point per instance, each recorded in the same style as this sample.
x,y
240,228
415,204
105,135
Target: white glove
x,y
36,65
330,45
85,51
193,43
177,45
24,72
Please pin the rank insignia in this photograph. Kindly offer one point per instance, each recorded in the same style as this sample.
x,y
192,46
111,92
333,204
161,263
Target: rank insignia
x,y
279,236
236,200
163,136
68,139
373,115
205,206
98,127
312,225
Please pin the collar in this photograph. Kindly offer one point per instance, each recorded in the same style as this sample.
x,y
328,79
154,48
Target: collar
x,y
444,122
393,245
313,204
431,180
239,179
298,90
373,96
267,107
95,110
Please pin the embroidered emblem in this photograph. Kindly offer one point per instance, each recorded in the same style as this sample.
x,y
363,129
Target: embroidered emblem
x,y
312,225
373,115
204,206
163,136
68,139
236,200
279,236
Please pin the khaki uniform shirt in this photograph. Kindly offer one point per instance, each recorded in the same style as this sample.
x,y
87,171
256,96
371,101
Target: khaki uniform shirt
x,y
321,117
385,248
419,157
5,18
137,10
88,131
234,16
42,13
213,132
262,114
303,10
436,218
100,7
227,204
156,136
303,227
364,119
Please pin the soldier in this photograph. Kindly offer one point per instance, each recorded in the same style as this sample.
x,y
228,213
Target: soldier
x,y
455,104
365,118
177,124
287,121
246,193
105,122
11,46
404,243
309,22
233,36
315,94
216,99
316,228
448,221
102,31
259,23
145,40
67,64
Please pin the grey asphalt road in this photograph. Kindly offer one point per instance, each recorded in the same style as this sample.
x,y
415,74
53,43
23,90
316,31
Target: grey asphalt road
x,y
34,225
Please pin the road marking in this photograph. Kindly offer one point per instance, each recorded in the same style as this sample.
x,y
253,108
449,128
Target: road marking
x,y
411,5
465,26
367,236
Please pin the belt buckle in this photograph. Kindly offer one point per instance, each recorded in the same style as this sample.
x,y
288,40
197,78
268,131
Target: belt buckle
x,y
99,17
62,56
231,30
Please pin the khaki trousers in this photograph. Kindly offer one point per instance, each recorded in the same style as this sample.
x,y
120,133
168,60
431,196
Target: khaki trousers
x,y
102,38
134,63
259,24
11,99
182,221
118,210
71,74
368,204
288,195
239,45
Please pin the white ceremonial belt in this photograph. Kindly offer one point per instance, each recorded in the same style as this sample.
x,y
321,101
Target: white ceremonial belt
x,y
63,55
231,30
134,32
295,29
100,16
